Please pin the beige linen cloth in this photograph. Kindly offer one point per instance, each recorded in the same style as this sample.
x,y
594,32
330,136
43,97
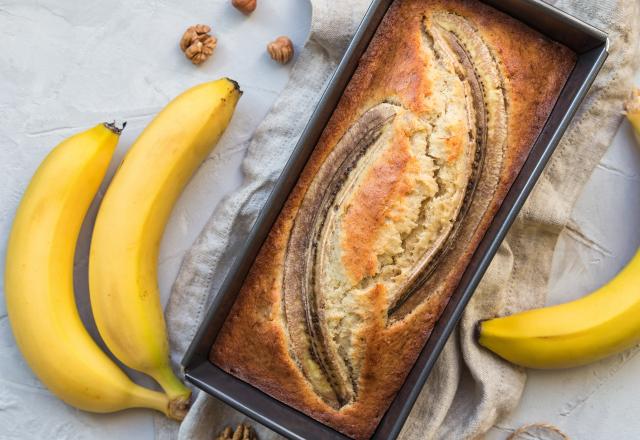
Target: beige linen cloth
x,y
470,389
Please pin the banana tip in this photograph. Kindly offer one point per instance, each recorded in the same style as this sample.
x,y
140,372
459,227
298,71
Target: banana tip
x,y
477,330
179,407
235,84
114,128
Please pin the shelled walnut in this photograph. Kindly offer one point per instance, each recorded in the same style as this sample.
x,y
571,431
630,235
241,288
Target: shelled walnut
x,y
197,44
242,432
245,6
281,49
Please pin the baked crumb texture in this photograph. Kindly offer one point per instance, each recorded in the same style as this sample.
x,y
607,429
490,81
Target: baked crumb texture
x,y
416,159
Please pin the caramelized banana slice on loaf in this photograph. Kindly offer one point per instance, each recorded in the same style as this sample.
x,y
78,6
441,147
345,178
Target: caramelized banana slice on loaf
x,y
322,366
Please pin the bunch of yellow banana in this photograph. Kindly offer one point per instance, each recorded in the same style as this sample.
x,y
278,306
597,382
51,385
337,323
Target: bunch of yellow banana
x,y
598,325
124,293
39,280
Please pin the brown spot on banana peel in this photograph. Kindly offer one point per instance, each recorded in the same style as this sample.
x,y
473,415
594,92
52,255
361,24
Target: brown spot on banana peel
x,y
330,373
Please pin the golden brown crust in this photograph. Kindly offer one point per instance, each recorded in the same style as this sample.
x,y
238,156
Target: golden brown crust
x,y
254,344
382,184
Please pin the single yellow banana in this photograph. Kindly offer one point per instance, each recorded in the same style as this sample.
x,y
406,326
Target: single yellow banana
x,y
580,332
39,280
131,220
572,334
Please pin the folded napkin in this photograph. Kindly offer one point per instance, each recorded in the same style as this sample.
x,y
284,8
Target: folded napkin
x,y
470,389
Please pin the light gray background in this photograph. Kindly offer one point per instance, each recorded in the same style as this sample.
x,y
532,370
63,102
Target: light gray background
x,y
67,65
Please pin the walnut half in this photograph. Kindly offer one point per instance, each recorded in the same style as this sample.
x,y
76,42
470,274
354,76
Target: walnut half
x,y
197,44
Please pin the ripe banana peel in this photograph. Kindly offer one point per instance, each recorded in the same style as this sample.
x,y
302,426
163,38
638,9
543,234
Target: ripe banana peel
x,y
124,250
39,280
577,333
572,334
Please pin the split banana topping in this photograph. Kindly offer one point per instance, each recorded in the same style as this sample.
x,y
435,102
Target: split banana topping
x,y
39,281
131,220
424,171
576,333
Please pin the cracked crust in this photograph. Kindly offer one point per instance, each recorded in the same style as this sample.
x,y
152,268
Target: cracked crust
x,y
429,135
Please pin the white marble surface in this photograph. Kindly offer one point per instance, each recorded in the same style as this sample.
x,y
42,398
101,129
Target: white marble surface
x,y
65,65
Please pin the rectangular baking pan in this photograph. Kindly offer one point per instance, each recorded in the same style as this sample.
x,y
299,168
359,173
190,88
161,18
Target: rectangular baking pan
x,y
589,43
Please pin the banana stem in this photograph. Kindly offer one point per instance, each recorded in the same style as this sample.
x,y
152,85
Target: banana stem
x,y
146,398
179,394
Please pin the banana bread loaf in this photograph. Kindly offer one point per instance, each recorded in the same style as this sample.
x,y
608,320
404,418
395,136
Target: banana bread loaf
x,y
429,135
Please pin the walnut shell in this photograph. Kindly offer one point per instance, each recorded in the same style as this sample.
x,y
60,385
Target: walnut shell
x,y
242,432
245,6
281,49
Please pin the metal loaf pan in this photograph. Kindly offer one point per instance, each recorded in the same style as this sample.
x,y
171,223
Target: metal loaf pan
x,y
590,44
